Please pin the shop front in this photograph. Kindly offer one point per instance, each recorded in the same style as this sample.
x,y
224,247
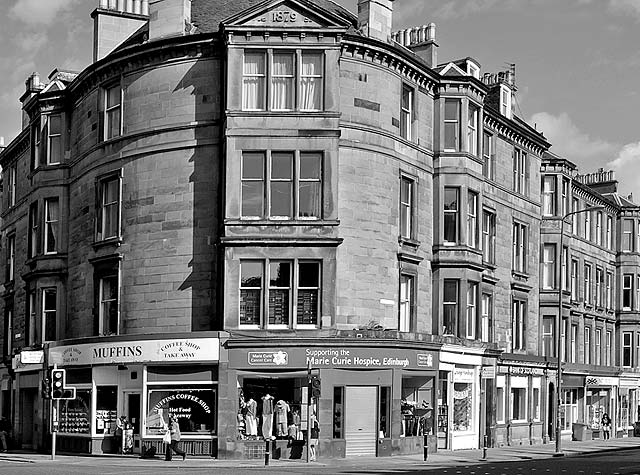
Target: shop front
x,y
371,400
458,400
628,404
572,404
24,402
143,381
600,399
520,403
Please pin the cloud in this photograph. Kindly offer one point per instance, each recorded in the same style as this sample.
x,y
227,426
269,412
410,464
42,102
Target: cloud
x,y
570,142
626,6
40,12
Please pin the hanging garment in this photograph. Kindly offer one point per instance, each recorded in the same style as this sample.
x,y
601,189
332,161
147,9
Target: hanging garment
x,y
282,412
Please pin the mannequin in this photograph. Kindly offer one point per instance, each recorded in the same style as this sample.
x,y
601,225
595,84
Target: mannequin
x,y
267,415
250,418
282,412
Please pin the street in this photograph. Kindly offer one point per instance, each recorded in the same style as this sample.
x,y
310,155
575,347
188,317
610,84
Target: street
x,y
622,462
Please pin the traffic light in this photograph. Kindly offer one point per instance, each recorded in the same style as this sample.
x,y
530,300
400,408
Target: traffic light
x,y
46,387
315,386
58,381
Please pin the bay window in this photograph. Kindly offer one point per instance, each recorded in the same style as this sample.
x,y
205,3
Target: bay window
x,y
472,129
472,219
112,111
520,172
49,314
451,215
549,266
519,250
406,112
108,212
280,293
449,306
452,124
488,237
549,195
281,185
472,295
627,291
627,349
282,80
51,225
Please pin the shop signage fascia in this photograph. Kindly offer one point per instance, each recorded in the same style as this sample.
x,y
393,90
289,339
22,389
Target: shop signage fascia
x,y
19,367
333,357
525,371
601,381
488,372
32,357
140,351
630,383
464,375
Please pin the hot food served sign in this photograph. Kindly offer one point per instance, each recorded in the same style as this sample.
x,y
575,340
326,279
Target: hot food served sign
x,y
142,351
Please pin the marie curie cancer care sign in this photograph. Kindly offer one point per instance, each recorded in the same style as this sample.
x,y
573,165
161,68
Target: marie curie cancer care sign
x,y
372,358
141,351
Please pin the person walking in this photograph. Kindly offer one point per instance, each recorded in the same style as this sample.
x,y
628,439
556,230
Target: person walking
x,y
174,430
606,426
5,432
313,439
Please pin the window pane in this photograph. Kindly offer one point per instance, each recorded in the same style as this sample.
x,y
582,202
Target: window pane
x,y
113,123
310,166
253,166
282,77
451,110
309,199
311,82
251,283
280,274
309,275
281,199
281,166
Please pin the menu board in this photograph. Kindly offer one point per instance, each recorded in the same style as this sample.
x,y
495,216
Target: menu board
x,y
74,414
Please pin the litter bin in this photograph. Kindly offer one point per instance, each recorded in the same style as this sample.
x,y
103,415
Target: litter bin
x,y
580,431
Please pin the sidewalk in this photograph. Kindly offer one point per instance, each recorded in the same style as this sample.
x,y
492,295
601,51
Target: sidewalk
x,y
440,459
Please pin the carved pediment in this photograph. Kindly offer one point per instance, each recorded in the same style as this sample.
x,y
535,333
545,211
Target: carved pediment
x,y
289,14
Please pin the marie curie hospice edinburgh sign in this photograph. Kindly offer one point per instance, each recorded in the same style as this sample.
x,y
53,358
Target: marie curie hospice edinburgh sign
x,y
141,351
343,357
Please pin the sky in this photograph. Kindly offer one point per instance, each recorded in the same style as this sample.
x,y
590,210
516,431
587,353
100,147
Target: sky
x,y
577,63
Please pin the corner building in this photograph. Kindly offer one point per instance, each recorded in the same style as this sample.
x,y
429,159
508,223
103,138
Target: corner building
x,y
234,195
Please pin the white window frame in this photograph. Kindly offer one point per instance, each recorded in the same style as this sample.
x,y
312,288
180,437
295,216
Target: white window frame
x,y
11,185
608,346
51,226
11,257
599,228
517,384
104,302
609,290
472,219
549,195
520,184
406,207
456,217
627,235
548,266
609,232
536,399
52,137
472,129
574,343
452,124
488,154
627,350
520,244
588,297
599,286
518,322
488,237
627,291
406,112
486,317
472,310
587,226
505,101
574,279
102,234
587,345
598,347
500,400
112,110
548,336
48,313
407,303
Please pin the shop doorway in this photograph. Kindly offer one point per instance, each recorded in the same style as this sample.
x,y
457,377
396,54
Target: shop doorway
x,y
360,420
27,409
133,416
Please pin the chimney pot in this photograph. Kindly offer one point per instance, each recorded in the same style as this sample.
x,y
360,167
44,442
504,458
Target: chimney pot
x,y
431,32
375,18
145,7
1,142
104,4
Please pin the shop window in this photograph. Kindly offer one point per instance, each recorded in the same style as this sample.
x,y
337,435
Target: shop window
x,y
500,396
112,111
49,313
597,406
536,401
279,304
569,408
417,406
384,415
75,414
338,412
462,407
406,112
106,409
51,225
518,404
193,405
108,212
451,216
281,185
273,407
296,81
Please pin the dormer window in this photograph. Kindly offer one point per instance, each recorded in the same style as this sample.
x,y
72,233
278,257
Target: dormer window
x,y
282,81
473,70
505,101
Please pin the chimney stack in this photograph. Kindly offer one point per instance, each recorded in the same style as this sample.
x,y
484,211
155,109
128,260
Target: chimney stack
x,y
421,40
114,21
375,18
169,18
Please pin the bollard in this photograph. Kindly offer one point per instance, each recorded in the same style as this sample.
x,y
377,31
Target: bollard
x,y
484,447
267,452
426,447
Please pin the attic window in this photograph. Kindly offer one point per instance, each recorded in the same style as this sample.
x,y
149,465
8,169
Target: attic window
x,y
473,70
505,101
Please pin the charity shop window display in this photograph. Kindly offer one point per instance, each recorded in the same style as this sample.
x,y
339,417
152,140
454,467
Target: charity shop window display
x,y
194,409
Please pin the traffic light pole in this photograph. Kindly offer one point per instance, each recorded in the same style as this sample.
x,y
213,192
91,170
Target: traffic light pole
x,y
309,389
54,422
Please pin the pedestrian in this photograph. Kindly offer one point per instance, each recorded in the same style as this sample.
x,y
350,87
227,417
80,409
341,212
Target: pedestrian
x,y
606,426
5,431
313,439
174,431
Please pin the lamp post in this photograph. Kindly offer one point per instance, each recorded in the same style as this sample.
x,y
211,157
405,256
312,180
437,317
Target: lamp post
x,y
559,327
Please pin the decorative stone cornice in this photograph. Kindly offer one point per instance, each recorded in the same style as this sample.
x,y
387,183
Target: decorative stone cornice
x,y
386,56
516,133
17,147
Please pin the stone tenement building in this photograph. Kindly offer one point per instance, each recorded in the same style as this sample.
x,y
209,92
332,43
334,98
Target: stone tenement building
x,y
235,193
